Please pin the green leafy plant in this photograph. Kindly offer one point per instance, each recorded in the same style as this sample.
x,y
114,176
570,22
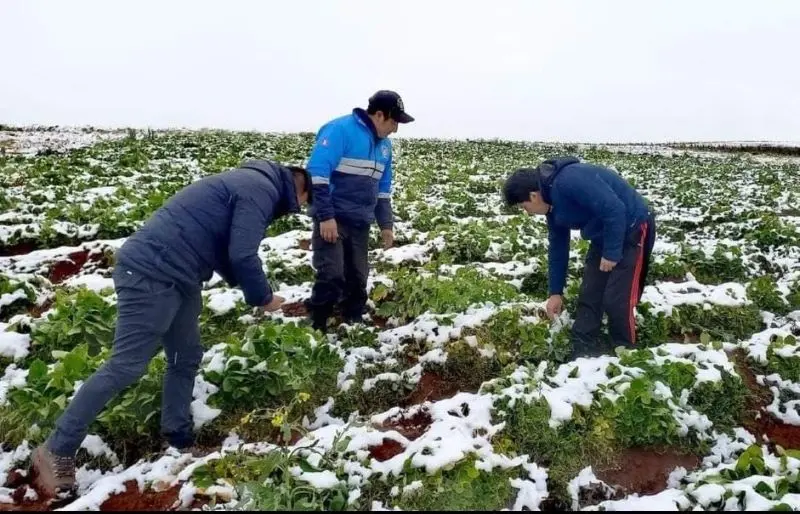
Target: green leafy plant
x,y
267,482
273,361
763,291
639,417
80,317
517,340
414,294
32,410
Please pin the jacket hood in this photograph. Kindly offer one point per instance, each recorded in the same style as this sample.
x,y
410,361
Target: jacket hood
x,y
282,177
549,170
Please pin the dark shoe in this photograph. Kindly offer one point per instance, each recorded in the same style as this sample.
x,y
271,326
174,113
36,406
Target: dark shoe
x,y
54,474
195,450
318,316
353,319
589,350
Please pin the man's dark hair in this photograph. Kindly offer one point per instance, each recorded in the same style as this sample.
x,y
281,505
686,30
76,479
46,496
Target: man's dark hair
x,y
373,109
307,186
520,184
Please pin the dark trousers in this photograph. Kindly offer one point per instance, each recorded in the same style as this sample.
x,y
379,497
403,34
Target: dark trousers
x,y
150,313
615,293
341,272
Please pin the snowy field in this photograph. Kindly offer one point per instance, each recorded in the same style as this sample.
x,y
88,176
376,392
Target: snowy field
x,y
456,394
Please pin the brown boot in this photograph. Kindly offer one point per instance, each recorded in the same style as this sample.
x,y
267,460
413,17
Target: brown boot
x,y
54,474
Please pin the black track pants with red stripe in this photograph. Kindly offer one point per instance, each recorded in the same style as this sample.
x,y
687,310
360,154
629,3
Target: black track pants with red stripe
x,y
615,293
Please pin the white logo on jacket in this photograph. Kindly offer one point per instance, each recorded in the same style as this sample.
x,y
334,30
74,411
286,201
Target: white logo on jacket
x,y
385,151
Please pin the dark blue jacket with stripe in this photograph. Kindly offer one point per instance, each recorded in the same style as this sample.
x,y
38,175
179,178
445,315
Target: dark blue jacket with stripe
x,y
215,224
351,169
594,199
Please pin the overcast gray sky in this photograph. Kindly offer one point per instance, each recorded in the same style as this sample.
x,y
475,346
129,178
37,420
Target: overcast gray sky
x,y
576,70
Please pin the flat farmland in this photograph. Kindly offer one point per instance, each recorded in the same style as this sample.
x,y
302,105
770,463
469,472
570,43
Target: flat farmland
x,y
457,393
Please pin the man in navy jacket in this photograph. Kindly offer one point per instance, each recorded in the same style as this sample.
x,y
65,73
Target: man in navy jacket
x,y
351,169
214,224
615,218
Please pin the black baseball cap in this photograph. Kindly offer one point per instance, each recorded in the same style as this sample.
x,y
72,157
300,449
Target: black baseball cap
x,y
389,101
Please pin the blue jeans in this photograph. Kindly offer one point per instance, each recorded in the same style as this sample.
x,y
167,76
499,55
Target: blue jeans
x,y
150,312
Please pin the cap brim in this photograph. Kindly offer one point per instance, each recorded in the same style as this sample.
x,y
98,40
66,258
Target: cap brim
x,y
402,117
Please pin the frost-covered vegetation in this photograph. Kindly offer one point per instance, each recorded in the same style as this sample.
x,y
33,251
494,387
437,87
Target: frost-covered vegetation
x,y
456,394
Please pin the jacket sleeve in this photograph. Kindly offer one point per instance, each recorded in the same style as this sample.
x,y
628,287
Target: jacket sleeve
x,y
248,227
595,195
557,256
325,156
227,274
383,209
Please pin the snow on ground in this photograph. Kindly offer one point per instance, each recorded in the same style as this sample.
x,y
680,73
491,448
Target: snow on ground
x,y
13,345
30,142
465,424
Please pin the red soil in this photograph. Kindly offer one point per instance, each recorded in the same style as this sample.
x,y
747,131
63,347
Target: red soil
x,y
379,321
431,387
36,311
130,500
644,470
386,450
134,500
757,420
72,265
17,249
411,427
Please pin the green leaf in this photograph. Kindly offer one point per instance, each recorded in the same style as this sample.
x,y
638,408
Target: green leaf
x,y
61,401
763,488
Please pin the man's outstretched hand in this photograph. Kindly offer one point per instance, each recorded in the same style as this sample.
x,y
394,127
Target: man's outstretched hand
x,y
554,305
275,304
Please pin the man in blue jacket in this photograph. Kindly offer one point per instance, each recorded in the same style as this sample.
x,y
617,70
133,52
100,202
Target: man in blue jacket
x,y
615,218
351,169
214,224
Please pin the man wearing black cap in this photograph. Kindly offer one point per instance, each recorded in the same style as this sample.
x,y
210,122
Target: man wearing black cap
x,y
351,170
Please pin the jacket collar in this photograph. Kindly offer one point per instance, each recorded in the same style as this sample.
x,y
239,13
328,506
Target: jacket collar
x,y
363,119
548,170
289,192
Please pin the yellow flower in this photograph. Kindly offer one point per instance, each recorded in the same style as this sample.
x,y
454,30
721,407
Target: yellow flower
x,y
303,397
277,420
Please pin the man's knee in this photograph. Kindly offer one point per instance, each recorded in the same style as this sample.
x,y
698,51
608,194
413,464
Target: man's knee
x,y
329,265
615,309
123,372
621,320
185,362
